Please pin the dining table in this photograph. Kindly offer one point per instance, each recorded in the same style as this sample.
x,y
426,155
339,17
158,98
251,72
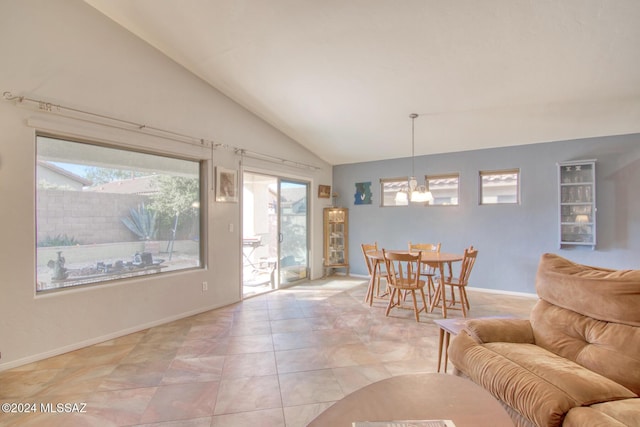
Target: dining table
x,y
433,259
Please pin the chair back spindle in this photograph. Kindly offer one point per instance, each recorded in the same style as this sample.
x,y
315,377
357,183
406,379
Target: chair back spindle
x,y
376,271
368,247
459,283
468,261
403,275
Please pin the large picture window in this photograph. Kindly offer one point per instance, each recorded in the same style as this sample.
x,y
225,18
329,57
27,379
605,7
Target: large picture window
x,y
106,213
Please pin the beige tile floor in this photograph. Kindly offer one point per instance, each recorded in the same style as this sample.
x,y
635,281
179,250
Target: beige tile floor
x,y
277,359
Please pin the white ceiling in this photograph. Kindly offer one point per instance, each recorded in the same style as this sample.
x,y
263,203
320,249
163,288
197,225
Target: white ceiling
x,y
342,76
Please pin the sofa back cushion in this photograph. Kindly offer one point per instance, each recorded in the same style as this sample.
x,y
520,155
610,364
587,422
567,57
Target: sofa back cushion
x,y
591,316
601,293
609,349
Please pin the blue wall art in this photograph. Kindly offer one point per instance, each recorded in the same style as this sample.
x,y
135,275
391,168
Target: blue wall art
x,y
363,193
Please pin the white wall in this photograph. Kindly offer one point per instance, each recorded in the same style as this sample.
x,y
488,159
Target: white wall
x,y
65,52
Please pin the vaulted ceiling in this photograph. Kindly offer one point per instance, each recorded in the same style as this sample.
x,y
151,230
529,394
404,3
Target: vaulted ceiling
x,y
342,76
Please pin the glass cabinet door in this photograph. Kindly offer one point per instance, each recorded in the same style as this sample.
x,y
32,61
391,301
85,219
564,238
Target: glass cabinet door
x,y
336,238
577,203
336,243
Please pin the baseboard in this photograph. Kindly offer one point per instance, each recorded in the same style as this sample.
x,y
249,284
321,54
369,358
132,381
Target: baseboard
x,y
491,291
501,292
97,340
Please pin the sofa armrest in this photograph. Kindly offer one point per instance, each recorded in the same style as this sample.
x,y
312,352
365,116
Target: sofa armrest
x,y
500,330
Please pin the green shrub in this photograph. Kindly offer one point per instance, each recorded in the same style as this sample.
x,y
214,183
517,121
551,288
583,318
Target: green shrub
x,y
142,222
58,240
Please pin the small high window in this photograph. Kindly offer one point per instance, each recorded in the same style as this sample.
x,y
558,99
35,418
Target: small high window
x,y
500,187
394,191
444,188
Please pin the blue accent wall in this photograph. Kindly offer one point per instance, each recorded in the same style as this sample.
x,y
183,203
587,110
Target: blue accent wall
x,y
510,238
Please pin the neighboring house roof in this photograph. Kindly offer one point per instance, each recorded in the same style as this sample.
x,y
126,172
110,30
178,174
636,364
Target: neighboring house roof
x,y
140,185
63,172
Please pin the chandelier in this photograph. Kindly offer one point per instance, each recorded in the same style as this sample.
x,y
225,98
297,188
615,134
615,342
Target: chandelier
x,y
414,192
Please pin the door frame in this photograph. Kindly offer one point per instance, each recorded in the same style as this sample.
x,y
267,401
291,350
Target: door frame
x,y
287,177
307,186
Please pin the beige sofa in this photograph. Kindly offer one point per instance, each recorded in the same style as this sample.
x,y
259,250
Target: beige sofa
x,y
575,362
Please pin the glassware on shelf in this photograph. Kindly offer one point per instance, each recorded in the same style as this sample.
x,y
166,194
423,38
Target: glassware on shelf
x,y
577,203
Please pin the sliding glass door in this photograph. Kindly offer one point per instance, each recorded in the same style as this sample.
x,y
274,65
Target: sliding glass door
x,y
274,229
293,231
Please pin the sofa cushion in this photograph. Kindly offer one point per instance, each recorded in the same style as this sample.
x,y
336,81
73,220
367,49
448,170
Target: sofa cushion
x,y
618,413
626,411
604,294
540,385
589,417
609,349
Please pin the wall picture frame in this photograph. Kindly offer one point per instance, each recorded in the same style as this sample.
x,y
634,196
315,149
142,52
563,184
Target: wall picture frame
x,y
324,191
226,185
363,193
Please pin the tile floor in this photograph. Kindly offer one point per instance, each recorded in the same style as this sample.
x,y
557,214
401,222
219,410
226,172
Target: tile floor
x,y
273,360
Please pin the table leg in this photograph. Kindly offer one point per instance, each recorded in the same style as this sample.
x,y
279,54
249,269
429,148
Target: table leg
x,y
440,292
446,351
440,342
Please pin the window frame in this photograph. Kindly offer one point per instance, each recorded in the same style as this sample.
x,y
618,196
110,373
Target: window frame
x,y
199,206
495,172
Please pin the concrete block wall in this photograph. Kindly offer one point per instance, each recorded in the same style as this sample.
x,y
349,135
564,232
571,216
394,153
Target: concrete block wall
x,y
90,218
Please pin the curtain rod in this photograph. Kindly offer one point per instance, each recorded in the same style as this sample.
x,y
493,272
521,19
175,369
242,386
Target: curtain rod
x,y
49,107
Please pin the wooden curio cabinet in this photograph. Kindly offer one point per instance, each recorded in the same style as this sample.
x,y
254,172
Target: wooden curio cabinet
x,y
336,237
577,203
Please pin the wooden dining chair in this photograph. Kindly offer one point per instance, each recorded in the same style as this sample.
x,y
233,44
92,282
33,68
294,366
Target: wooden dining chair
x,y
403,274
459,283
381,272
427,271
